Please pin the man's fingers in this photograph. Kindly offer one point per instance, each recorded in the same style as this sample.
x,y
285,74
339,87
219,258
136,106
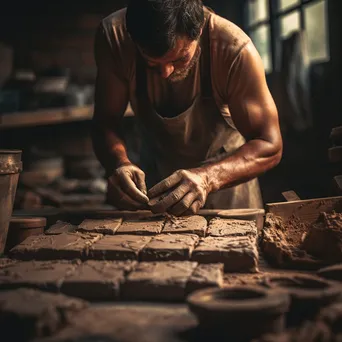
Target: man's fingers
x,y
164,185
170,200
181,207
119,199
131,189
194,208
140,182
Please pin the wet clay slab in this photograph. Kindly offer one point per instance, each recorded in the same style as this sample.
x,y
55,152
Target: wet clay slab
x,y
237,253
49,247
61,227
107,226
118,247
186,225
230,227
324,238
127,323
165,281
169,247
97,280
141,227
206,275
28,313
44,275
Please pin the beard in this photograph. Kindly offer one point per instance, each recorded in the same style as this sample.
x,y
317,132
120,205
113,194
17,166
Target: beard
x,y
181,74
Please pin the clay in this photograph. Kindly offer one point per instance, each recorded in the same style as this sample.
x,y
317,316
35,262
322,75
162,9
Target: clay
x,y
5,262
281,242
44,275
309,294
324,238
169,247
61,227
127,323
238,253
28,313
186,225
205,275
238,313
230,227
118,247
331,273
49,247
165,281
108,226
97,280
141,227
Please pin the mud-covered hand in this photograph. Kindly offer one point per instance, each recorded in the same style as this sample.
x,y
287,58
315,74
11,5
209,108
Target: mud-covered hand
x,y
184,192
127,188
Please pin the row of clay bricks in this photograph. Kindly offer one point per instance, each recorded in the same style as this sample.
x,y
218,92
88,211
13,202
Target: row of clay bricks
x,y
237,253
112,280
183,225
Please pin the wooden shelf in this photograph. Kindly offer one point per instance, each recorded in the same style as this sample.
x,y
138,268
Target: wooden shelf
x,y
50,116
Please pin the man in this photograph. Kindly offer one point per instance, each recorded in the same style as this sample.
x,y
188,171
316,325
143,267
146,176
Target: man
x,y
196,84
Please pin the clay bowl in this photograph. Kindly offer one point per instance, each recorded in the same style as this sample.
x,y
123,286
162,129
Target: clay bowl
x,y
331,273
308,295
239,313
20,228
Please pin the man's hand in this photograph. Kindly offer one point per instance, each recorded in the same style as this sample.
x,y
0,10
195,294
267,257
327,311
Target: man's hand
x,y
127,188
184,192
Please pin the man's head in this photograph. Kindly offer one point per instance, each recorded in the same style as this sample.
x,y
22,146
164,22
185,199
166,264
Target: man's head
x,y
167,33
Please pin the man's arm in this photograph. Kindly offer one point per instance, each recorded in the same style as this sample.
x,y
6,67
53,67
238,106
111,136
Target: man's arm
x,y
255,116
126,182
111,100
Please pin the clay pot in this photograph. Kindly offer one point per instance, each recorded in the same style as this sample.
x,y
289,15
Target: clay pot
x,y
308,295
331,273
22,227
239,313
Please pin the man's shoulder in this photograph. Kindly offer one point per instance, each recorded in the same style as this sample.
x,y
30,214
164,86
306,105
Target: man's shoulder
x,y
226,35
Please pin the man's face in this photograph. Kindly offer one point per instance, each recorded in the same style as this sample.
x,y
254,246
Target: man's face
x,y
176,64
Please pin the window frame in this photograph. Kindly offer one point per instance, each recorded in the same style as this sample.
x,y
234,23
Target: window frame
x,y
273,21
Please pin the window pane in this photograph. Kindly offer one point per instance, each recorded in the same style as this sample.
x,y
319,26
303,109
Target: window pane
x,y
257,11
261,39
285,4
316,30
289,23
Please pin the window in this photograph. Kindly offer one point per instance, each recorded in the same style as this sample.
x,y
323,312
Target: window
x,y
270,21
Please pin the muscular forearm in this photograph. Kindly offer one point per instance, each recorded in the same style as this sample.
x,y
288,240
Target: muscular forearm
x,y
109,147
249,161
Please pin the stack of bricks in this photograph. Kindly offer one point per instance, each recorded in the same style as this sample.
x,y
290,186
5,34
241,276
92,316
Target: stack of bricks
x,y
227,241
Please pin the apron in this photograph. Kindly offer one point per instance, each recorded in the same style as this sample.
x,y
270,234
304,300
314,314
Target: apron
x,y
191,138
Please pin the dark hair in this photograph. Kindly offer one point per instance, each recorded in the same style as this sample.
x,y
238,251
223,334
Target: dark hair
x,y
154,25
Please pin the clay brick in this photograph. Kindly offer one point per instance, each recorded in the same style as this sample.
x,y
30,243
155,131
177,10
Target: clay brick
x,y
229,227
169,247
206,275
108,226
165,281
61,227
238,254
186,225
118,247
141,227
49,247
28,313
97,280
44,275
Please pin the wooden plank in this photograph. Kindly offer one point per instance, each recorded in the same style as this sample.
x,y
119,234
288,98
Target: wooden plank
x,y
49,116
305,210
290,196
